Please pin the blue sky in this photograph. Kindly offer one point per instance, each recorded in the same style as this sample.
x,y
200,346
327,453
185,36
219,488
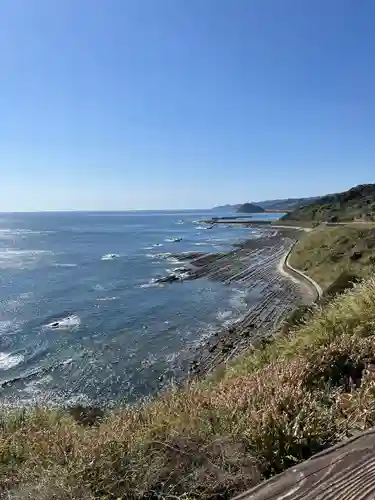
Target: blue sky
x,y
143,104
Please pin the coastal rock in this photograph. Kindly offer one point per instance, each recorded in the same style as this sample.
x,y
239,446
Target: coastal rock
x,y
212,348
173,240
245,333
228,346
167,279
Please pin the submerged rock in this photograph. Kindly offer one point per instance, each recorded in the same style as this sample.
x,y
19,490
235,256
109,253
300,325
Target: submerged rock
x,y
180,274
167,279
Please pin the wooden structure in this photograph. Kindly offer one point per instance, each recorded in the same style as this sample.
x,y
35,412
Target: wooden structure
x,y
343,472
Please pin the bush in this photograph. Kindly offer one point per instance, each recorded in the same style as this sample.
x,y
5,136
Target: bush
x,y
297,317
344,282
273,408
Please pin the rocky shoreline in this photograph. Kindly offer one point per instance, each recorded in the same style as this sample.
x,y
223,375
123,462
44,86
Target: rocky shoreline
x,y
254,265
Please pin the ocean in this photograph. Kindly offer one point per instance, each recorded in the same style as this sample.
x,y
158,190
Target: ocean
x,y
81,317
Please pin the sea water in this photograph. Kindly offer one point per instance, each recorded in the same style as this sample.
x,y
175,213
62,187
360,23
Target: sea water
x,y
81,317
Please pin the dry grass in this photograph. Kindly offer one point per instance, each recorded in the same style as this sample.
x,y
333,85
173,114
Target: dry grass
x,y
274,407
327,252
294,223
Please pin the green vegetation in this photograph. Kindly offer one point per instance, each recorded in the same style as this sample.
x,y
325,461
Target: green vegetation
x,y
280,204
226,208
294,223
249,208
272,408
277,405
357,203
285,204
328,252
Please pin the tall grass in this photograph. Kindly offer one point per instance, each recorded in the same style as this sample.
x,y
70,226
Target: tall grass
x,y
327,252
273,408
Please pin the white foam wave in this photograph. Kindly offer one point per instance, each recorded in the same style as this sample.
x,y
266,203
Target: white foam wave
x,y
8,361
164,255
208,332
223,315
9,234
36,386
68,323
110,256
172,357
151,284
238,299
6,327
19,259
174,260
106,299
158,245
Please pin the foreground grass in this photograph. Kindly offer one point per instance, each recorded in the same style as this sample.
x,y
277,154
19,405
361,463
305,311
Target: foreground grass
x,y
273,408
327,252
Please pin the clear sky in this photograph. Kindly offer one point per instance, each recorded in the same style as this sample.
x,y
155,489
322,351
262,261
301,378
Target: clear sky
x,y
143,104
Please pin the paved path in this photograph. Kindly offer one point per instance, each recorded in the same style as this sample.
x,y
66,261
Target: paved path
x,y
287,269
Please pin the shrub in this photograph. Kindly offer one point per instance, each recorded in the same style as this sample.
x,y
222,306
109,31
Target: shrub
x,y
273,407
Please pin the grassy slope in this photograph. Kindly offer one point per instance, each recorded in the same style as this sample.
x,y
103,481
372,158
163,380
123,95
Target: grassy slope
x,y
357,202
273,408
327,252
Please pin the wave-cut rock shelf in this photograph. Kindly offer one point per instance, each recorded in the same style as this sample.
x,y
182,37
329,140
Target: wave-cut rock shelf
x,y
254,265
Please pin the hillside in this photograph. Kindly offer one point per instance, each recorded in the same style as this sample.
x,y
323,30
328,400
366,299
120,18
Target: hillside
x,y
280,204
285,204
249,208
356,203
276,406
328,253
226,208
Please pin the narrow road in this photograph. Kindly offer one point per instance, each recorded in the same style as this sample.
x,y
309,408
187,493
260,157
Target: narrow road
x,y
288,270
